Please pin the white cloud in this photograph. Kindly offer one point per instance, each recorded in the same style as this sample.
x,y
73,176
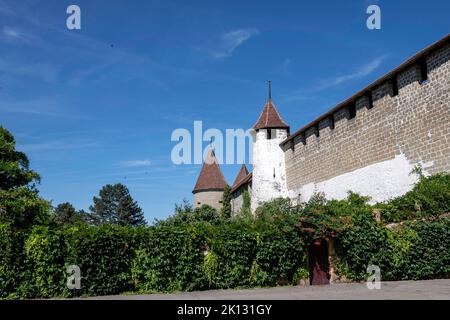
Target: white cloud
x,y
135,163
228,42
286,64
59,145
11,32
40,106
361,72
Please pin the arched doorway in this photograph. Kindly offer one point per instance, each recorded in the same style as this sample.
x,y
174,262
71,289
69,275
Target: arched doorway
x,y
318,263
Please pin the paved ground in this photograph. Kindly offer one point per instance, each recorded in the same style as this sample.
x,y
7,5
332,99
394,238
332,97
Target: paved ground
x,y
410,290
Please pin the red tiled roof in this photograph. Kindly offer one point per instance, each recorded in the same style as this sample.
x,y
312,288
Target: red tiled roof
x,y
246,180
243,172
270,118
211,177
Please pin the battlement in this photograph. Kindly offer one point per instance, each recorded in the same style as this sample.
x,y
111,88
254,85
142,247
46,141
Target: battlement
x,y
404,114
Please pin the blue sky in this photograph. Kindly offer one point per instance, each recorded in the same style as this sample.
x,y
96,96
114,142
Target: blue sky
x,y
98,105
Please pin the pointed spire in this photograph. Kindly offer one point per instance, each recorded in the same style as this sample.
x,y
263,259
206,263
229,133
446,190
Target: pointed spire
x,y
243,173
270,118
211,177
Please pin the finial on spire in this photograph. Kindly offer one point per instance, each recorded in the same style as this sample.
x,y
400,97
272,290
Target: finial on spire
x,y
270,90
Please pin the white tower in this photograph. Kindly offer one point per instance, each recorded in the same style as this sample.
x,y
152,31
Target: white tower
x,y
269,173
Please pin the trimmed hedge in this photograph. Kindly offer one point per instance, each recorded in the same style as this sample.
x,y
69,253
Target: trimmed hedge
x,y
203,250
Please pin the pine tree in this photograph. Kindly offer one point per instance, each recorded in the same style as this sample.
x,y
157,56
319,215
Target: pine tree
x,y
66,214
226,201
116,206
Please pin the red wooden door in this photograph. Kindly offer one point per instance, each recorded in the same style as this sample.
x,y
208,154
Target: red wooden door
x,y
318,263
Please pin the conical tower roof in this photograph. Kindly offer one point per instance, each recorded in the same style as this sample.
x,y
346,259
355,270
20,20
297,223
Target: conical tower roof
x,y
270,118
211,177
243,173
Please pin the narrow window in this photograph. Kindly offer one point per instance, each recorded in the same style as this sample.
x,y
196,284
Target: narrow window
x,y
394,86
423,70
370,98
331,122
351,111
316,130
303,138
269,134
293,145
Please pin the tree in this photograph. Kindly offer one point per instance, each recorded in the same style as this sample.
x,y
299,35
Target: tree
x,y
14,165
20,204
66,214
226,201
116,206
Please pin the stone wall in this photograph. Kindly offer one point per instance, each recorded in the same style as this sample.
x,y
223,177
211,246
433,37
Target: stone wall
x,y
237,199
372,148
211,198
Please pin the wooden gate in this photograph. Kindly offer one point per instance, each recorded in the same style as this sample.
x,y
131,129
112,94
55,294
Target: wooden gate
x,y
318,263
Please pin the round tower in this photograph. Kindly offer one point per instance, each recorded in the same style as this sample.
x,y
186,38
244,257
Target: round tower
x,y
269,173
210,184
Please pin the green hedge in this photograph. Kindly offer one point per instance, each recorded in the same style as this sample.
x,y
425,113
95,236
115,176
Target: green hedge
x,y
12,261
203,250
412,251
169,259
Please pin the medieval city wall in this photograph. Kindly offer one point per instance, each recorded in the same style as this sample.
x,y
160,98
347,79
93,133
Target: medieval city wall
x,y
372,151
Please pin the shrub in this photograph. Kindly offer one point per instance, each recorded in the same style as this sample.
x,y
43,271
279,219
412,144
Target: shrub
x,y
430,196
170,259
45,252
104,255
12,260
234,250
278,258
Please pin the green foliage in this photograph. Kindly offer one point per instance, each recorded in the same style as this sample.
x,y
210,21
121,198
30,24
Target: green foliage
x,y
14,165
279,257
421,250
226,201
429,197
362,244
235,250
45,252
104,255
116,206
199,248
20,205
246,201
185,214
170,259
66,215
23,208
12,260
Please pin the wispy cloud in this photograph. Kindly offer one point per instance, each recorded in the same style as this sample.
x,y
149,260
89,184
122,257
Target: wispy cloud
x,y
11,32
135,163
228,42
47,72
59,145
361,72
42,106
286,64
